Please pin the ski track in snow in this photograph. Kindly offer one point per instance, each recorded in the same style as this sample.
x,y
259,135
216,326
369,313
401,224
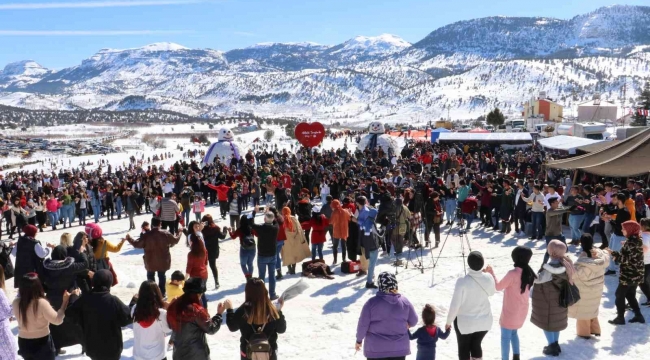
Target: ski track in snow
x,y
322,321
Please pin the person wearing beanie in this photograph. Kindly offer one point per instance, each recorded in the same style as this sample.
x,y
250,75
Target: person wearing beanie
x,y
101,307
590,280
29,254
382,320
630,259
470,309
547,313
516,287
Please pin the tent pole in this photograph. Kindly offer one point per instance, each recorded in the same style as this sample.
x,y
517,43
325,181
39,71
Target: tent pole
x,y
575,178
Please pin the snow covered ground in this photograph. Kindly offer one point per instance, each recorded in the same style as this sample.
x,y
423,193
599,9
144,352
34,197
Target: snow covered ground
x,y
322,321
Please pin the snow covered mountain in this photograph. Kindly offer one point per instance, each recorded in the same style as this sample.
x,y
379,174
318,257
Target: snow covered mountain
x,y
463,69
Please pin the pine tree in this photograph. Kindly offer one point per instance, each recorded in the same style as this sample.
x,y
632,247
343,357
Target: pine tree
x,y
495,118
644,101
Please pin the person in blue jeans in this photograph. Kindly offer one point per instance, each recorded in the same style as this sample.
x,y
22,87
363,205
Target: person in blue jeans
x,y
267,235
246,251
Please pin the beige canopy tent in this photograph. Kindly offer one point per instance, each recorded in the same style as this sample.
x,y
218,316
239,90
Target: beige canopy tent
x,y
627,158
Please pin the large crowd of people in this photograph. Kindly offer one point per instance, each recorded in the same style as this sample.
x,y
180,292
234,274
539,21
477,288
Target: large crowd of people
x,y
367,204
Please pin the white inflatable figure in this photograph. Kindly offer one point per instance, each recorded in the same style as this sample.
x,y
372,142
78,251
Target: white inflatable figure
x,y
377,138
225,148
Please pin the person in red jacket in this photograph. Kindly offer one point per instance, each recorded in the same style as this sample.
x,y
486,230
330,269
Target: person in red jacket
x,y
468,208
222,196
197,261
318,226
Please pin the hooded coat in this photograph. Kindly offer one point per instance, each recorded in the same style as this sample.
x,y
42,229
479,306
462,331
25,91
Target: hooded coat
x,y
60,274
339,220
100,307
590,280
191,325
382,325
547,313
295,247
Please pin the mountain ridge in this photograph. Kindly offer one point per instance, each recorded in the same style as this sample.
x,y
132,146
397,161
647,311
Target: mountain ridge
x,y
459,68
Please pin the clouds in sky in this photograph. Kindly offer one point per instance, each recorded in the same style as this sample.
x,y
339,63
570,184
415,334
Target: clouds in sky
x,y
94,4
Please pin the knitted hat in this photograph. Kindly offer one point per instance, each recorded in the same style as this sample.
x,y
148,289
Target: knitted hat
x,y
387,282
475,261
30,230
556,249
93,231
632,228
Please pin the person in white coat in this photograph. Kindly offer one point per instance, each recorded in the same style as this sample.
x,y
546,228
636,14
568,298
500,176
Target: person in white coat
x,y
590,279
470,310
149,323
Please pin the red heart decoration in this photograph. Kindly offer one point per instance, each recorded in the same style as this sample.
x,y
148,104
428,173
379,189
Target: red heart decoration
x,y
310,134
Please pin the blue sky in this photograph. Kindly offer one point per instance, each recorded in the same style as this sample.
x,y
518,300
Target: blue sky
x,y
60,33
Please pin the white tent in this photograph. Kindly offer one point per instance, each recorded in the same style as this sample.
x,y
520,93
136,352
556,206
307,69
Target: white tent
x,y
506,138
563,143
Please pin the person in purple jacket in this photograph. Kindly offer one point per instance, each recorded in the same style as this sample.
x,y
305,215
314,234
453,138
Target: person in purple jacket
x,y
384,322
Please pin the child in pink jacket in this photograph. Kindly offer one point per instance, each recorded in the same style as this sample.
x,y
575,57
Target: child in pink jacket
x,y
198,206
516,286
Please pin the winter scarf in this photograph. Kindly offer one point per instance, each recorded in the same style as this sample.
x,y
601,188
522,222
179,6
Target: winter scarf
x,y
286,212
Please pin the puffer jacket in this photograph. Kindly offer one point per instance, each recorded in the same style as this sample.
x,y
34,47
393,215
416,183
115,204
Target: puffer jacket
x,y
339,220
168,209
190,326
590,279
547,313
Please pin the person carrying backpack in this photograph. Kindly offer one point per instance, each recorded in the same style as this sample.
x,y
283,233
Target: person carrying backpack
x,y
258,321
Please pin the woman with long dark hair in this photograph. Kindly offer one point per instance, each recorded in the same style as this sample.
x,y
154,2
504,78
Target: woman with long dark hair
x,y
8,347
257,314
35,314
190,322
212,234
516,286
149,323
197,258
247,250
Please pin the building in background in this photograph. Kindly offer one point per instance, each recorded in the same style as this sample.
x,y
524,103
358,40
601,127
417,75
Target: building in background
x,y
543,108
597,110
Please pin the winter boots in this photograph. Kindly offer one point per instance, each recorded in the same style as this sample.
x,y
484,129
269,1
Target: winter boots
x,y
638,318
552,350
619,320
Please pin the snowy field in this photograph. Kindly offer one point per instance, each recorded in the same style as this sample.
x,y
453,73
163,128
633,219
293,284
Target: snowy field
x,y
322,322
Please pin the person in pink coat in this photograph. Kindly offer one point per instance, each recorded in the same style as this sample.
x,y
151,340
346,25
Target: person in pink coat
x,y
516,287
52,206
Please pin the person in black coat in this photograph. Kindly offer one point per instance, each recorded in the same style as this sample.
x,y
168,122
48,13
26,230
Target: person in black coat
x,y
101,317
211,235
59,275
191,322
520,208
257,313
29,254
82,252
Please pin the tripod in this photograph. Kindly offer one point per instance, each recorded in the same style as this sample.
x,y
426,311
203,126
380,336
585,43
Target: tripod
x,y
464,240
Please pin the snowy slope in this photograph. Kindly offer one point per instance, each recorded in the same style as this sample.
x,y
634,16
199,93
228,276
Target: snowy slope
x,y
464,69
